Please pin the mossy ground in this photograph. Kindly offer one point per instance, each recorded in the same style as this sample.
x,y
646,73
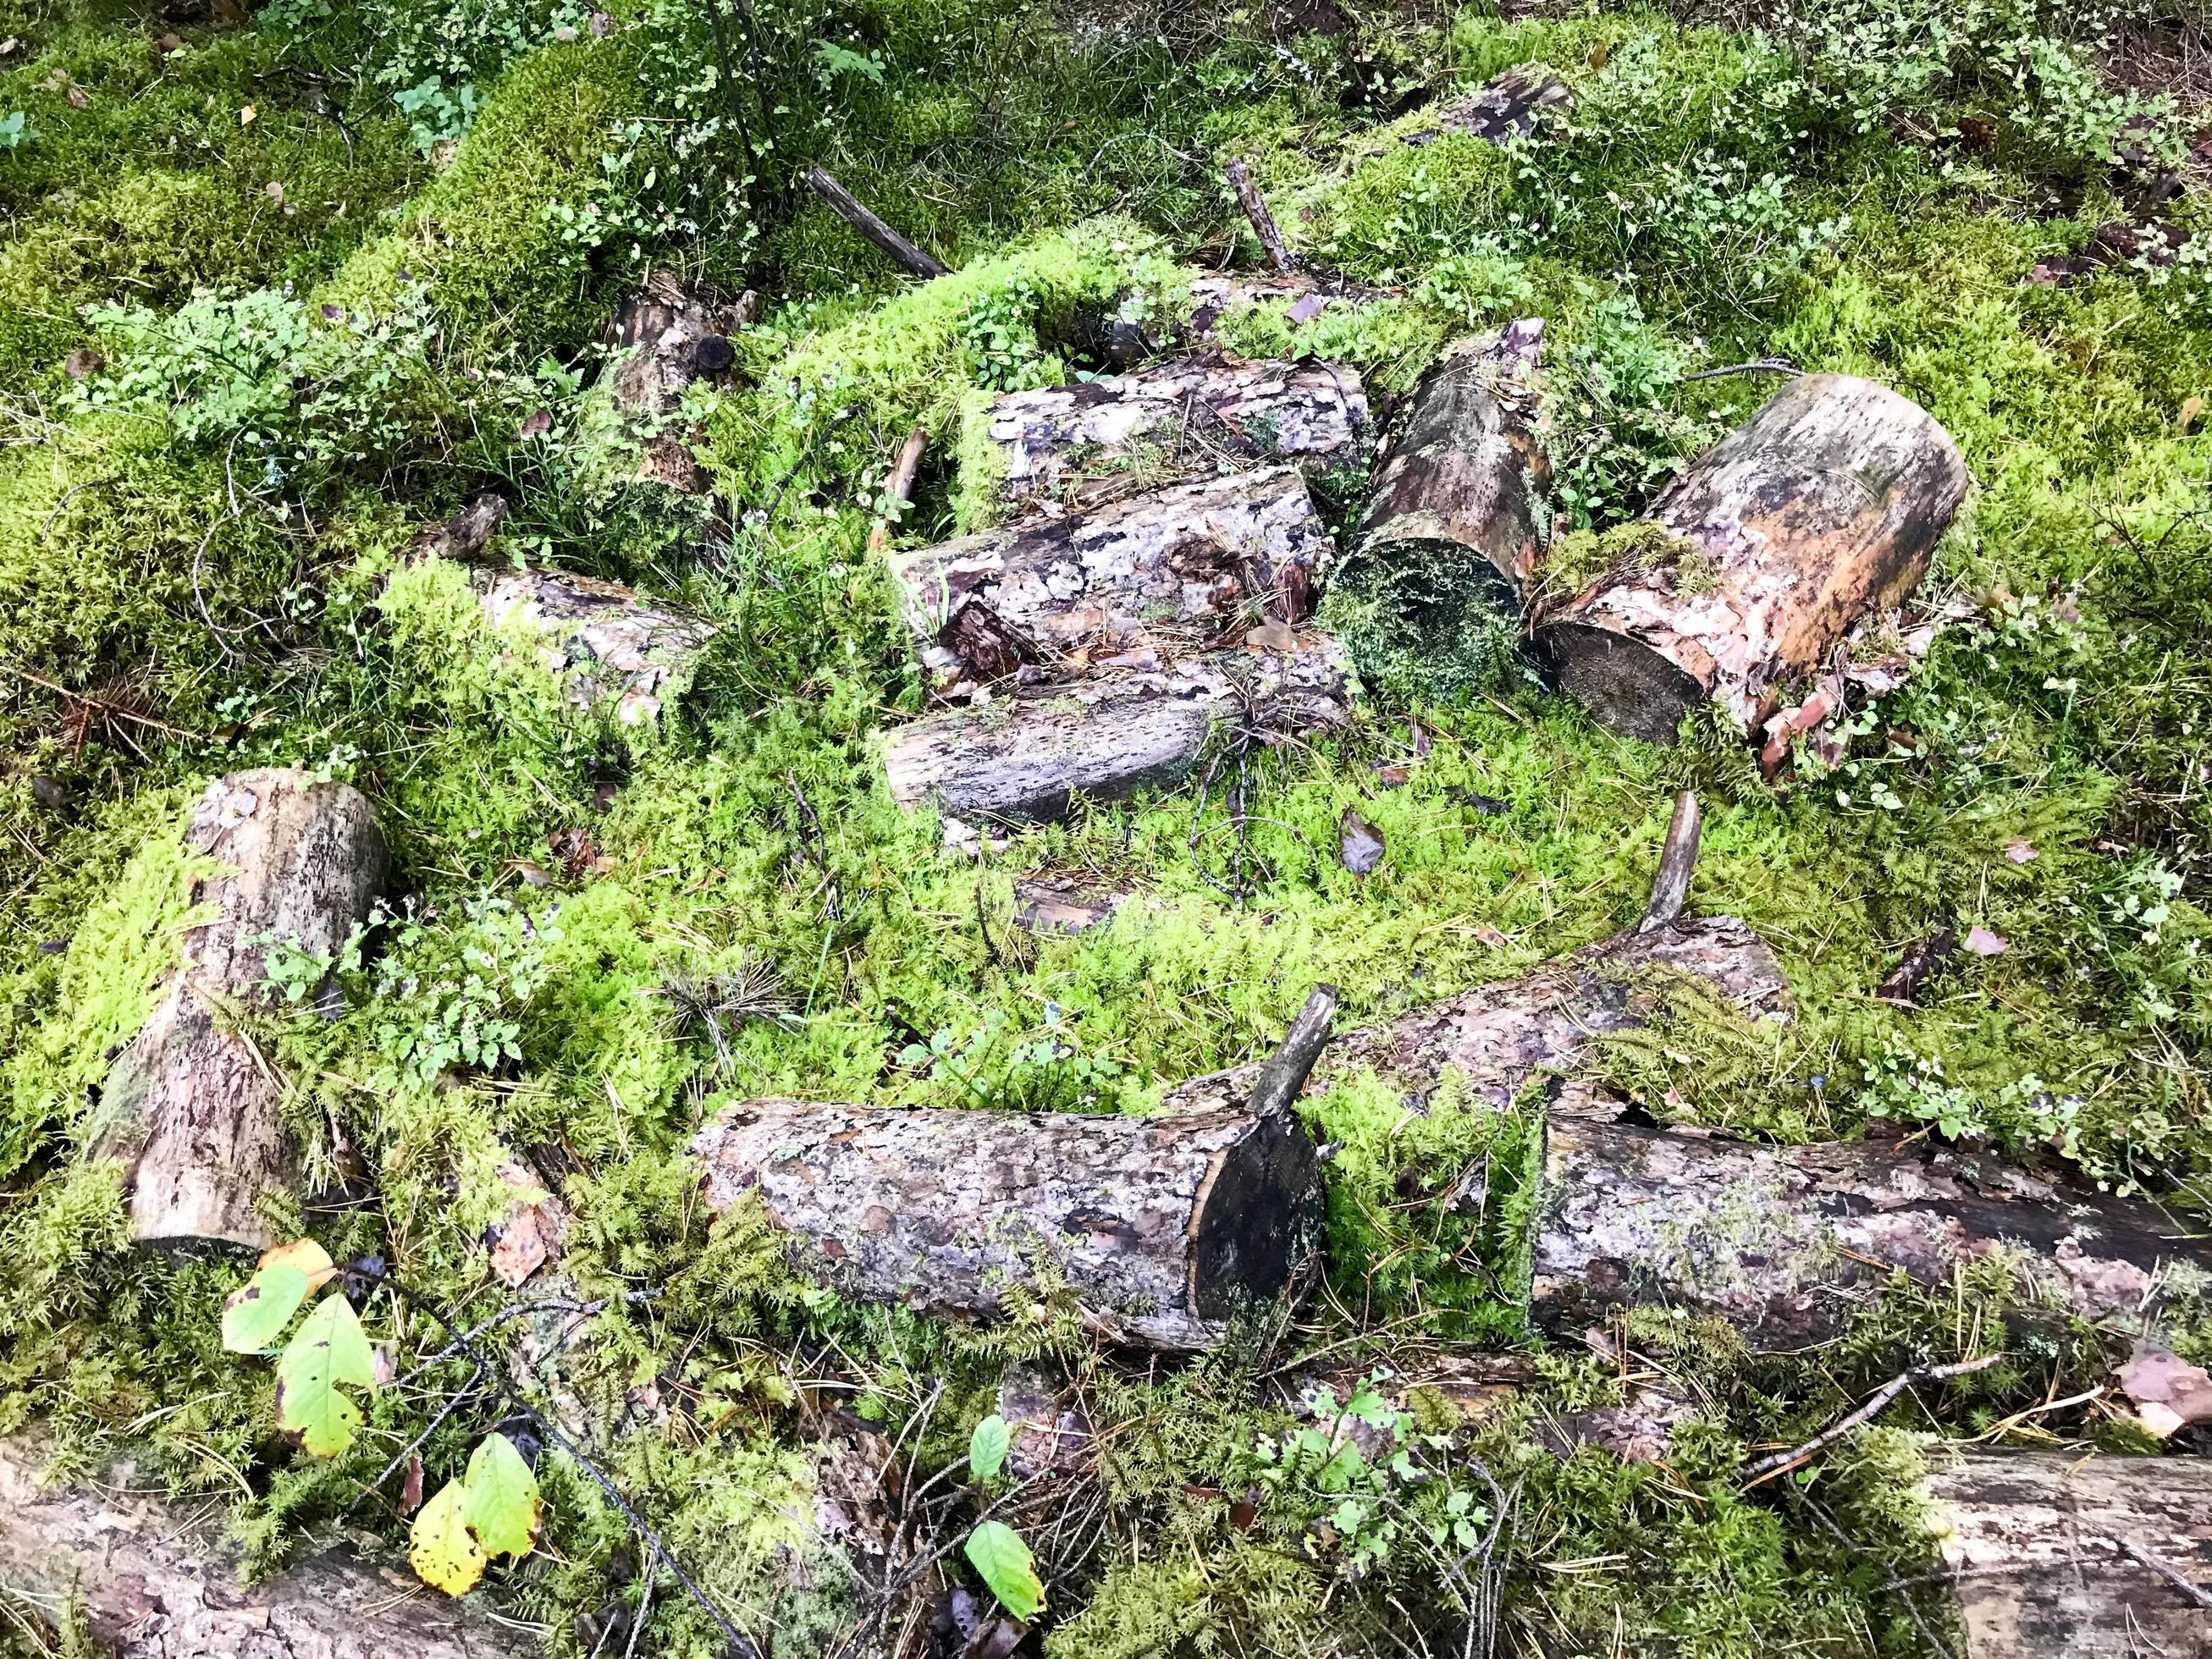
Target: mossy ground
x,y
336,312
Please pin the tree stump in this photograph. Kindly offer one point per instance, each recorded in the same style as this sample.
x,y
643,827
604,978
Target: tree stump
x,y
674,333
1071,444
602,643
1163,1227
1784,1243
191,1108
1819,511
2085,1556
158,1581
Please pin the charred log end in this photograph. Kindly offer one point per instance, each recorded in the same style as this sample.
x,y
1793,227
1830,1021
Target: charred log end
x,y
1628,687
1258,1212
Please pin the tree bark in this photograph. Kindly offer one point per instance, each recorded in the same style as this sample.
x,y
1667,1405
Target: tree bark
x,y
191,1108
2059,1554
1031,756
1509,106
1255,211
674,333
1784,1243
1819,512
848,207
158,1582
1134,586
1072,444
1163,1227
1464,474
600,641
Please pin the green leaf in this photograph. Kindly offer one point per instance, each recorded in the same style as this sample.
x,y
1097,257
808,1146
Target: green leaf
x,y
503,1509
988,1447
255,1314
439,1547
1004,1563
328,1352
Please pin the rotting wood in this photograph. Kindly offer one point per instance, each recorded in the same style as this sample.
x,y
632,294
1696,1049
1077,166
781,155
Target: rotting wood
x,y
1162,1227
1784,1243
1464,474
1132,587
1513,105
159,1579
600,641
1255,212
2070,1553
1821,511
464,534
850,208
898,490
1062,904
1030,757
1678,861
1069,444
673,333
192,1107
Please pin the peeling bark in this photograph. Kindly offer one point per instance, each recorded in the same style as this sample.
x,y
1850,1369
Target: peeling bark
x,y
1464,473
1784,1243
158,1581
191,1108
1144,580
1162,1227
1819,511
1509,106
600,641
1064,443
2049,1552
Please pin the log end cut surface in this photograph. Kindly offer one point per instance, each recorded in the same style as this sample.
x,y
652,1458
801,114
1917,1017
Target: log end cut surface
x,y
1628,686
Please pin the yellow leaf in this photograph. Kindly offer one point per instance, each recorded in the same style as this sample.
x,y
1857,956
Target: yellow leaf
x,y
439,1546
247,114
309,1257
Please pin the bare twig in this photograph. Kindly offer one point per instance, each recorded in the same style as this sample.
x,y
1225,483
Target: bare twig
x,y
850,208
1760,366
1670,888
63,499
1286,1070
1780,1462
898,490
1256,209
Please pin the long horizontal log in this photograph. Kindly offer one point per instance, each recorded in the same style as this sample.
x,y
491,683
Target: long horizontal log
x,y
1066,443
1819,511
158,1580
1161,576
2088,1557
191,1108
601,641
1784,1243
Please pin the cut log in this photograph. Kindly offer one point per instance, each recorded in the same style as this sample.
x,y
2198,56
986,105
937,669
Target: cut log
x,y
1070,444
1031,757
159,1580
1819,511
1784,1243
1163,1227
673,333
191,1108
600,641
1465,475
1134,586
2093,1558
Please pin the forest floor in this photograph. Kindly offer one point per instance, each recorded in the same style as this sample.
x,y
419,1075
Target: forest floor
x,y
280,289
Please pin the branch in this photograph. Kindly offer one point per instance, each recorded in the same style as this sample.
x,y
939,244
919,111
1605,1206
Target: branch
x,y
848,207
1767,1467
1287,1068
1670,888
1256,209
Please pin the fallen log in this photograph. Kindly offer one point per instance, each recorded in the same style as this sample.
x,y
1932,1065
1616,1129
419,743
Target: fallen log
x,y
1029,757
2094,1557
600,641
1784,1243
1819,512
1163,1227
671,333
1142,581
1509,106
1067,444
1461,486
191,1108
159,1580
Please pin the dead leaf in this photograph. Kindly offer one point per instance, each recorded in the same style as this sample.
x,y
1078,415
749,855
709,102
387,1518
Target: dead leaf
x,y
84,363
2169,1392
2020,851
1393,777
1274,636
1980,942
1358,843
75,97
535,1227
2185,416
169,46
274,191
1488,935
537,424
246,115
410,1487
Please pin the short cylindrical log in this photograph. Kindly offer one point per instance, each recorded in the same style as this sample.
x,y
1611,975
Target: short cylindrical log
x,y
1144,580
1070,444
1163,1227
1784,1243
1819,511
1461,483
2066,1554
600,641
191,1108
158,1581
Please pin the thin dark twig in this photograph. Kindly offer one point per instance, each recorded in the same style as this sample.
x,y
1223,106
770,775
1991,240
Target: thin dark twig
x,y
437,1422
102,704
1767,1467
1760,366
461,1343
63,499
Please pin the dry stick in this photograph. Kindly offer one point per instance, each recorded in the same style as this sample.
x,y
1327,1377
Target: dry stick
x,y
2139,1552
899,487
1767,1467
1256,209
1292,1062
848,207
1670,888
1762,366
102,704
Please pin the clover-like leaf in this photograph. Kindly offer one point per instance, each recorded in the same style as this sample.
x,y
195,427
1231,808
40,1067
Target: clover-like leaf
x,y
503,1508
1005,1564
439,1546
255,1314
988,1446
329,1353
